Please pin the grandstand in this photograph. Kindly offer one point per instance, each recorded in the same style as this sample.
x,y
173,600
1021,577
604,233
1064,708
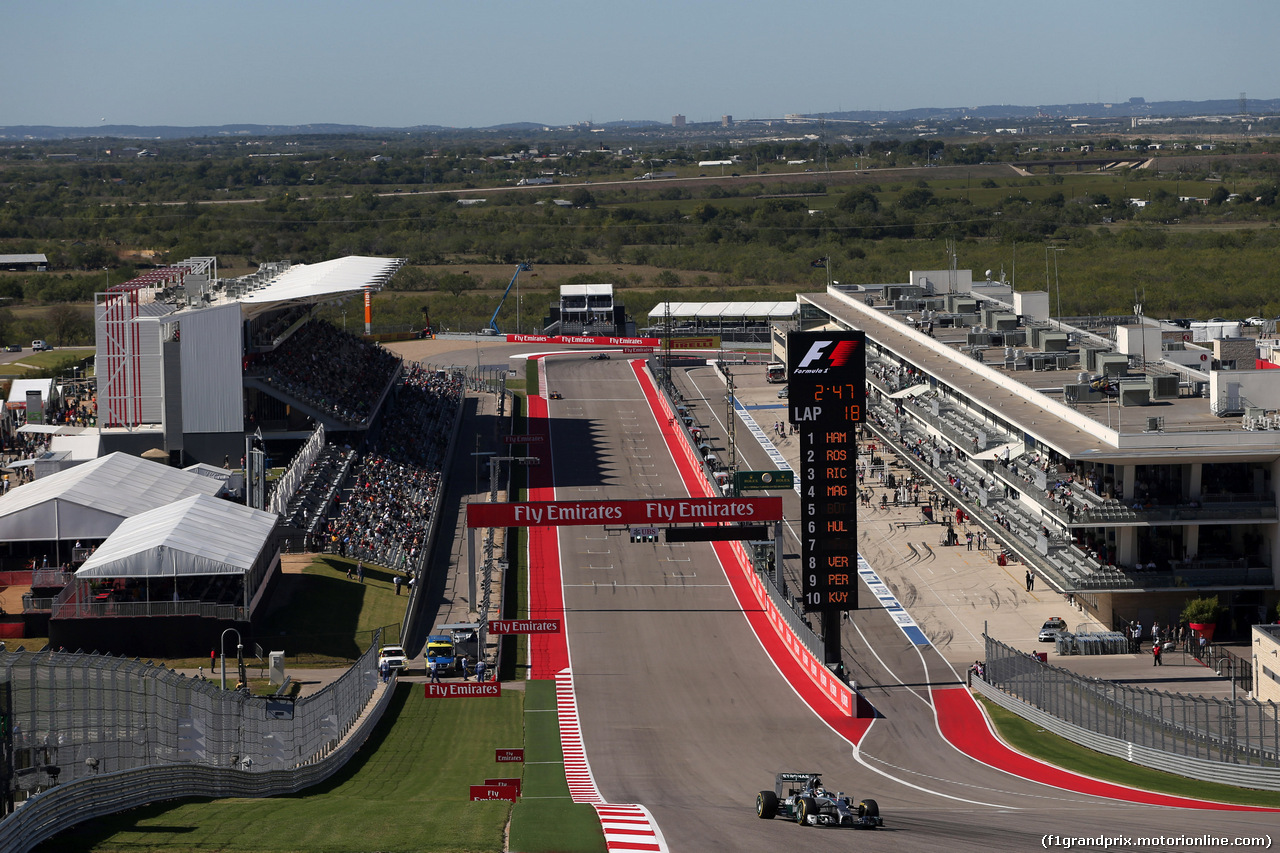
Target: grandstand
x,y
188,362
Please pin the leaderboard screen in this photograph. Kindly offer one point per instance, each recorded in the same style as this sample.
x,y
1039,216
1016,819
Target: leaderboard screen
x,y
826,402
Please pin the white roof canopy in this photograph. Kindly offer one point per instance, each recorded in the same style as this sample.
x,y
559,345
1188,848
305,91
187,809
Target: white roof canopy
x,y
90,501
199,535
307,283
724,310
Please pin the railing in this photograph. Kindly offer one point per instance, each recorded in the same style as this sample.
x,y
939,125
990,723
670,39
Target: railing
x,y
1233,732
46,813
287,486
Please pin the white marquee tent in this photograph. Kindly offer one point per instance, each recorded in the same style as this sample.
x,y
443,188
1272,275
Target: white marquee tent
x,y
198,535
91,500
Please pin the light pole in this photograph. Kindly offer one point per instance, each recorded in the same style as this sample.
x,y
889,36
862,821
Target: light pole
x,y
239,652
1057,286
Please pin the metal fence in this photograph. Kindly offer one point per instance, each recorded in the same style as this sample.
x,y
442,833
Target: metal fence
x,y
78,715
1232,731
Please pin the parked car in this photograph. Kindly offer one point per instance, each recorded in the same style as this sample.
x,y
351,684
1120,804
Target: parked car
x,y
13,348
1049,631
393,656
782,394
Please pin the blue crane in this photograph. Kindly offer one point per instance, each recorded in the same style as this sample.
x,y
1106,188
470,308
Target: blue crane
x,y
523,266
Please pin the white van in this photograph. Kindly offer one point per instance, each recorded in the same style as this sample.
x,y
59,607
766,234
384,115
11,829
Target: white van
x,y
40,346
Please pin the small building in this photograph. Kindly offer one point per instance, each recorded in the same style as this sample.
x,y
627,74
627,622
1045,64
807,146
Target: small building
x,y
24,263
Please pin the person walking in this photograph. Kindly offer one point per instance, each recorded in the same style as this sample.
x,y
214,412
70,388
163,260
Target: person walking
x,y
462,663
384,670
1155,654
360,570
433,666
1027,580
480,668
396,581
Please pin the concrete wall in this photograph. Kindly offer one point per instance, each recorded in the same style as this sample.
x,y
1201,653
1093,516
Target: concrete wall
x,y
1266,663
1032,303
1139,340
1238,388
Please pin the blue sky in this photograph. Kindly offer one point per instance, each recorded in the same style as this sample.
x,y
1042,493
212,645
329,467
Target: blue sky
x,y
478,63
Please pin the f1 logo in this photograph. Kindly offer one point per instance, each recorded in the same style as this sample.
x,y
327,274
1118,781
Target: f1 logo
x,y
815,352
839,356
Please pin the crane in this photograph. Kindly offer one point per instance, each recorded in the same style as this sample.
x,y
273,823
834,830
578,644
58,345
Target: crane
x,y
523,266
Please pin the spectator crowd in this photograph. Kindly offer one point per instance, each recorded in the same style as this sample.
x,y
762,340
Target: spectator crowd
x,y
336,373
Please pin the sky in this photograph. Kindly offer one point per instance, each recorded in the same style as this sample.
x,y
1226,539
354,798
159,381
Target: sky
x,y
480,62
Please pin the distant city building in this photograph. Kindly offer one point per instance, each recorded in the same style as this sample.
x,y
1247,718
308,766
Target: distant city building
x,y
726,121
677,121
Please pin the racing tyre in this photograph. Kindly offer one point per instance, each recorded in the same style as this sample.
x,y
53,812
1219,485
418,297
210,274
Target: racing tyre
x,y
766,805
868,808
805,807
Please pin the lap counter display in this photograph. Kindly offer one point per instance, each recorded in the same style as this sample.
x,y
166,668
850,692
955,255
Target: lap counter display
x,y
826,401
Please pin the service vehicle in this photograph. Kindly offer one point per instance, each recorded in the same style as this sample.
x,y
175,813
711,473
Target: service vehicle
x,y
40,346
440,649
775,372
393,656
802,798
1049,630
13,348
600,356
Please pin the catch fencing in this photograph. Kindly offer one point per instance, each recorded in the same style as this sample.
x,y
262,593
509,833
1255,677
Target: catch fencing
x,y
1230,731
78,715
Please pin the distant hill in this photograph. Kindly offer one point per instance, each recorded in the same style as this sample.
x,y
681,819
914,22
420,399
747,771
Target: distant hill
x,y
1134,107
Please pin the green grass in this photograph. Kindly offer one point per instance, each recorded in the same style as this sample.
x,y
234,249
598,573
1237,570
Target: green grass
x,y
33,363
1029,738
407,790
546,820
322,617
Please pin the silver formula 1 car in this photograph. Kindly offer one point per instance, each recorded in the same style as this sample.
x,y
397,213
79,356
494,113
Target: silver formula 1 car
x,y
802,798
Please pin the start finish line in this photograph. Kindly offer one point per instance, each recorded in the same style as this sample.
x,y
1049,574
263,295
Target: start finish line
x,y
669,511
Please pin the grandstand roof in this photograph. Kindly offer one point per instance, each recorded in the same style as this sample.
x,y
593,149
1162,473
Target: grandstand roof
x,y
687,310
90,501
306,283
198,535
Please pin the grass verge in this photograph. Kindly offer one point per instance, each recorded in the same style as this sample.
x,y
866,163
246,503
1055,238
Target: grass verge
x,y
1029,738
407,790
546,820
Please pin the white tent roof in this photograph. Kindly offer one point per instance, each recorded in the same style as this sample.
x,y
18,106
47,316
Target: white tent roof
x,y
18,390
90,501
317,282
687,310
198,535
